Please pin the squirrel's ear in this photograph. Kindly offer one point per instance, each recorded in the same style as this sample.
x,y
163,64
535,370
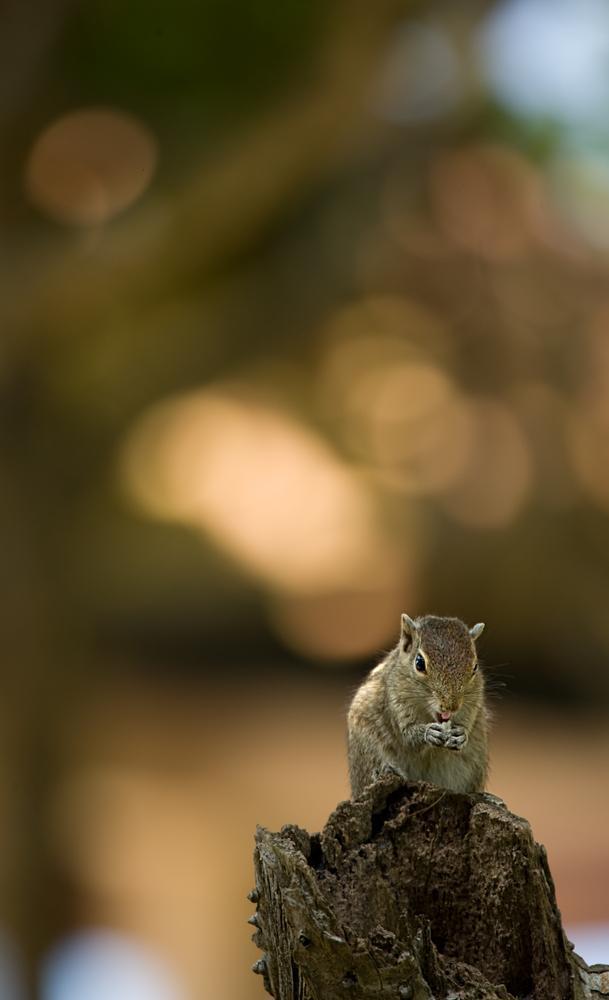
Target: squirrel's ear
x,y
476,630
408,630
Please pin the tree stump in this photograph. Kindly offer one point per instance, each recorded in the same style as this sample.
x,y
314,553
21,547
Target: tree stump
x,y
414,892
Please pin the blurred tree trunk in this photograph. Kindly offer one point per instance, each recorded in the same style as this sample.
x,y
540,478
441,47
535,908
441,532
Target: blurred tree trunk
x,y
36,684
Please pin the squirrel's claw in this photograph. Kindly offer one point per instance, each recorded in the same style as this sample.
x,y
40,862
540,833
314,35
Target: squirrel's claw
x,y
435,735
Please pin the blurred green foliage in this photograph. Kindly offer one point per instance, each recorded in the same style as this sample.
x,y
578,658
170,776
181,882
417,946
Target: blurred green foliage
x,y
218,59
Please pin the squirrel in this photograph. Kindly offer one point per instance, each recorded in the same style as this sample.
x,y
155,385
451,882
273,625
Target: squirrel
x,y
421,712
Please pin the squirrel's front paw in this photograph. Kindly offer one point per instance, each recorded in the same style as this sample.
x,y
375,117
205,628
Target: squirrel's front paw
x,y
392,769
456,738
387,769
436,735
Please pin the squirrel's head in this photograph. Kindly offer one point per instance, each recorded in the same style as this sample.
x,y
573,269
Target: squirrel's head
x,y
439,656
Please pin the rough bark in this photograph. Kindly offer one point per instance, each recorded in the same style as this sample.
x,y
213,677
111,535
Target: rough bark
x,y
416,892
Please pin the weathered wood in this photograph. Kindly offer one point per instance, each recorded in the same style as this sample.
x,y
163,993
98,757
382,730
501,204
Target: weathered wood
x,y
413,891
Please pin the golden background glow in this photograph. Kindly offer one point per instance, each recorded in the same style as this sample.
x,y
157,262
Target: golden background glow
x,y
304,324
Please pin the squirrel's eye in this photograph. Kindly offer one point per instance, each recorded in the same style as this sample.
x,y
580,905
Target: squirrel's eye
x,y
475,668
420,664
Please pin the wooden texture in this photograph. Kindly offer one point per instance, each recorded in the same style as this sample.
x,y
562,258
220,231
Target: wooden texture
x,y
413,891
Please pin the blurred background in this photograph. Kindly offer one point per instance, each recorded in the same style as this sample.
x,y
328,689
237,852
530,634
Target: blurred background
x,y
304,323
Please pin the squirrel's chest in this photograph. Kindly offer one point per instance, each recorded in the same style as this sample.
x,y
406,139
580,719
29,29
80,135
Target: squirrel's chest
x,y
439,766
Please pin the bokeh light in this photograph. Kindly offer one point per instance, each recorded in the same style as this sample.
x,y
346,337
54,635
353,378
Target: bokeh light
x,y
89,165
411,421
403,415
382,323
341,626
105,965
497,477
549,58
266,488
419,76
374,334
485,198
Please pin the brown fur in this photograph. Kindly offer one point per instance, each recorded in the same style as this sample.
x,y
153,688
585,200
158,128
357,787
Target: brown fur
x,y
395,723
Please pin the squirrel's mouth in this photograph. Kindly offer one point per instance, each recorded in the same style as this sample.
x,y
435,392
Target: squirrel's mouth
x,y
443,716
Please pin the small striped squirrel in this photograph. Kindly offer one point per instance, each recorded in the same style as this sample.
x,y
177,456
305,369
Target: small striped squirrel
x,y
421,712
